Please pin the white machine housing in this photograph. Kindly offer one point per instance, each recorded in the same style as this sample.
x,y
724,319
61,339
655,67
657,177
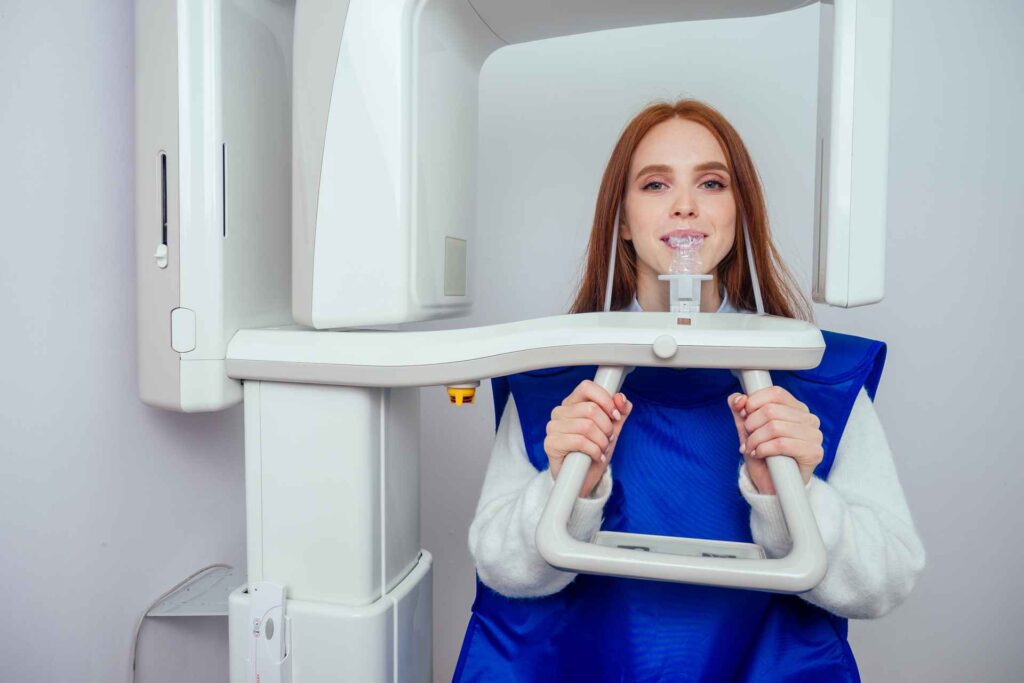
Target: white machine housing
x,y
374,114
213,154
854,75
386,128
380,98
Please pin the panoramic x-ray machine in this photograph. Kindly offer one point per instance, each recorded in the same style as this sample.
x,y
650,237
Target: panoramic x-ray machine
x,y
312,162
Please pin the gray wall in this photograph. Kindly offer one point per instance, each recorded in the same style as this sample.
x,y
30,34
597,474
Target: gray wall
x,y
107,502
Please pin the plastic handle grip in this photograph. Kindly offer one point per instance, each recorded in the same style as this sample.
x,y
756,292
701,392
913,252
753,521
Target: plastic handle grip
x,y
801,570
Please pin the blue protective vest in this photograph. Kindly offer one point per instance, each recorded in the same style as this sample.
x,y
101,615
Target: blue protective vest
x,y
675,471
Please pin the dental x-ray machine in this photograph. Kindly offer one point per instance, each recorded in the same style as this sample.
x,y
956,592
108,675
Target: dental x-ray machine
x,y
354,122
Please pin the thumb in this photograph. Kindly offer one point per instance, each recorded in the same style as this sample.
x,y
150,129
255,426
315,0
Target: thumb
x,y
736,403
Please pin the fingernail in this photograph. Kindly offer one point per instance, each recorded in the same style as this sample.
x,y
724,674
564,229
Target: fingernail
x,y
743,447
743,413
753,453
616,414
603,458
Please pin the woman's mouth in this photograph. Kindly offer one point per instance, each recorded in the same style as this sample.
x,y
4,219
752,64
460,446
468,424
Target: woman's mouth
x,y
674,238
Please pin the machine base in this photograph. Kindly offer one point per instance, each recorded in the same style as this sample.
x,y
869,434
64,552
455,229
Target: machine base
x,y
387,640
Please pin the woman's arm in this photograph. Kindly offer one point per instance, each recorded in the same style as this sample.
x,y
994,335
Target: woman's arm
x,y
502,536
874,552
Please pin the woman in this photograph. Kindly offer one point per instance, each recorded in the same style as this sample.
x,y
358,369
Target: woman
x,y
682,170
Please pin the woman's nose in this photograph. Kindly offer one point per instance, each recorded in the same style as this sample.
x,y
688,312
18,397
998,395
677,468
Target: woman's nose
x,y
684,206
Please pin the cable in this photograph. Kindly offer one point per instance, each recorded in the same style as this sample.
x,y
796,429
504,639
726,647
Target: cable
x,y
611,265
138,625
755,283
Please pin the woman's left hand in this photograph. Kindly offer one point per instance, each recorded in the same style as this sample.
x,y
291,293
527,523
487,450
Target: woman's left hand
x,y
772,422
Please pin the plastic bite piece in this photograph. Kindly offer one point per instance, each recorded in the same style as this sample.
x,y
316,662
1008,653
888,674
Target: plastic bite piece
x,y
685,276
686,260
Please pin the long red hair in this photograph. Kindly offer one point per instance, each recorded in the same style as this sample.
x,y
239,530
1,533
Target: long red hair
x,y
780,294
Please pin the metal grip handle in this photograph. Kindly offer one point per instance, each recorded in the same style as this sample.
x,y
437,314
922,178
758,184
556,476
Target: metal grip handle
x,y
799,571
576,465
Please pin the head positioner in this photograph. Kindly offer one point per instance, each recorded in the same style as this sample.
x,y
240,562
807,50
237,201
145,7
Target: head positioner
x,y
684,292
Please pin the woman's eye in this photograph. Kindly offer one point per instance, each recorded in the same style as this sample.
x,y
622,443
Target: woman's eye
x,y
712,185
651,185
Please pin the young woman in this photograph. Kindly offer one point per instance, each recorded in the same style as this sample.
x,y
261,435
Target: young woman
x,y
682,170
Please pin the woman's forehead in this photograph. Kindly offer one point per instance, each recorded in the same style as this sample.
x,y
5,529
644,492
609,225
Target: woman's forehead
x,y
679,143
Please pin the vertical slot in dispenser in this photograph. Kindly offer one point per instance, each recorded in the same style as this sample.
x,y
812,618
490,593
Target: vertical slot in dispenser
x,y
223,190
163,198
161,249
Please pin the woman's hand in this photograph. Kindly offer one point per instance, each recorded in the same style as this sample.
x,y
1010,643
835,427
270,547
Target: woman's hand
x,y
772,422
589,421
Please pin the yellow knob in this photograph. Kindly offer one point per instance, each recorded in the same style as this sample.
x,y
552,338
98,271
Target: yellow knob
x,y
461,395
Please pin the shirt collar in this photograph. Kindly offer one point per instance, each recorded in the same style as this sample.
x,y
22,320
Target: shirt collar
x,y
726,307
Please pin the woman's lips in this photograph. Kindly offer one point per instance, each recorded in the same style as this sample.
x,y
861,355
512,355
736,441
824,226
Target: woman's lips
x,y
682,233
697,237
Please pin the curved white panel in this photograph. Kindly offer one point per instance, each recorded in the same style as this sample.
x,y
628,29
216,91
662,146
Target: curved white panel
x,y
319,26
520,21
853,157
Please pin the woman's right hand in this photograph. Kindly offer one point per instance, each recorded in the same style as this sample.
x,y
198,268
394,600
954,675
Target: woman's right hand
x,y
589,421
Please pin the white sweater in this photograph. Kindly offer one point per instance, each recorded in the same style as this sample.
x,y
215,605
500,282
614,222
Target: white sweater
x,y
874,552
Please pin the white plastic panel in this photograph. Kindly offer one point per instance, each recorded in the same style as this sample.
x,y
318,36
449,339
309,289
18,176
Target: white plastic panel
x,y
525,20
332,489
387,641
156,191
212,120
401,494
406,351
855,78
396,175
317,494
450,45
256,164
200,127
183,330
319,25
361,237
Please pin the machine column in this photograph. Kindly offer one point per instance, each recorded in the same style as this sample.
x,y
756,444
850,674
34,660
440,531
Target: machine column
x,y
332,514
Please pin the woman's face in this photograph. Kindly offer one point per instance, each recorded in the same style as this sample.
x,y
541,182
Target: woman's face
x,y
678,184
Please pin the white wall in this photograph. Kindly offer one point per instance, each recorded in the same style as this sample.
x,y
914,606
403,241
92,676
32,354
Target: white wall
x,y
107,502
947,398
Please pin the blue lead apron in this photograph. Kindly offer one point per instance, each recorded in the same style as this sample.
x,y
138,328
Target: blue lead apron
x,y
675,474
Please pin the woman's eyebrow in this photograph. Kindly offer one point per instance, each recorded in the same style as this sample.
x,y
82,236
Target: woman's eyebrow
x,y
699,168
654,168
711,166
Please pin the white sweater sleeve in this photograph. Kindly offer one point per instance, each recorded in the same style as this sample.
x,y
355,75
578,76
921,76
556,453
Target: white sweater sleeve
x,y
874,553
502,534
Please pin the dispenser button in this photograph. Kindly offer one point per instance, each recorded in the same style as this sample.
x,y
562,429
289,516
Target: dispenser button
x,y
665,346
183,330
